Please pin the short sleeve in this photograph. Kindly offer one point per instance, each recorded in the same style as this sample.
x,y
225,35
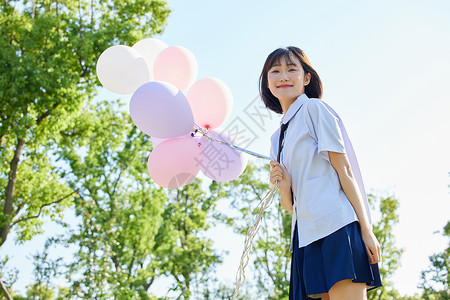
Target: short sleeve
x,y
274,144
324,128
274,148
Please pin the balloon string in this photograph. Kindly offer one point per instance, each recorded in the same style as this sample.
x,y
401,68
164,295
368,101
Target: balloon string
x,y
205,134
260,209
262,206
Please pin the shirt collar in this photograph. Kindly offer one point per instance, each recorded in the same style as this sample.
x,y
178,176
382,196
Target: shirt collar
x,y
292,110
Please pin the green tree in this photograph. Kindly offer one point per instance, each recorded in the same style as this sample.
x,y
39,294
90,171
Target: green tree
x,y
7,277
387,208
63,293
131,231
393,294
40,291
48,52
224,291
118,205
435,281
181,248
45,269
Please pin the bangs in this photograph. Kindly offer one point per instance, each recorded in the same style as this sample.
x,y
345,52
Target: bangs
x,y
282,54
292,56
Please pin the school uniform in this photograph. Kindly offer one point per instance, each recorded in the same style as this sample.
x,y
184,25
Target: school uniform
x,y
326,238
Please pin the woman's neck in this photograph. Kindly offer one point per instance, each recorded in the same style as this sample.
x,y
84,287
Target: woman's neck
x,y
285,104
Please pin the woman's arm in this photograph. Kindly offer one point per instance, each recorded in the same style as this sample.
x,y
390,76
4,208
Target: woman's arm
x,y
280,174
341,164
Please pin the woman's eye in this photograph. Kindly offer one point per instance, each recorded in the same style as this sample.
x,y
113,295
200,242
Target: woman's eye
x,y
274,71
292,70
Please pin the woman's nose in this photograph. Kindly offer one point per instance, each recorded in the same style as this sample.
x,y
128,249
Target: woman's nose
x,y
284,76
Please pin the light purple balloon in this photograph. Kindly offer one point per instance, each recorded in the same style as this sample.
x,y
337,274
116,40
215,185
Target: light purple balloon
x,y
220,162
161,110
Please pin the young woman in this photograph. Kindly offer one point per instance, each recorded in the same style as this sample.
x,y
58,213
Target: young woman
x,y
334,251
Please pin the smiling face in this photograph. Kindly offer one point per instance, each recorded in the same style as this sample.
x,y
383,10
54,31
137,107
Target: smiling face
x,y
286,80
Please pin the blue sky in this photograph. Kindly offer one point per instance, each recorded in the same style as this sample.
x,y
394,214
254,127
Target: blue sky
x,y
385,67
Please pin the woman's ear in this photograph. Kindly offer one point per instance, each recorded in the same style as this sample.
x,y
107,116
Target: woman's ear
x,y
307,78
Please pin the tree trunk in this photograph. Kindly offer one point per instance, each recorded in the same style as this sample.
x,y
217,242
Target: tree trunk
x,y
8,206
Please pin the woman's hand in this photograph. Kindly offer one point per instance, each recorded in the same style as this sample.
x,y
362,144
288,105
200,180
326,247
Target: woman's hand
x,y
372,246
341,164
280,174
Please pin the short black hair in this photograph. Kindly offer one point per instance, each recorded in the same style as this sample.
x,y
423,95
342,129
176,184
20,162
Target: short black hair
x,y
312,90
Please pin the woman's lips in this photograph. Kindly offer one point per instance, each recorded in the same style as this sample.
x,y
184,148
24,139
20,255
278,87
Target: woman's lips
x,y
284,86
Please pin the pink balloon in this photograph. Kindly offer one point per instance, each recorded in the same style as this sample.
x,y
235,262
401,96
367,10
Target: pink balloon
x,y
175,162
157,141
159,109
176,65
211,102
220,162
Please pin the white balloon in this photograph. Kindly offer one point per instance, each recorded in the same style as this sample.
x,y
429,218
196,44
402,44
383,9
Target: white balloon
x,y
121,69
149,49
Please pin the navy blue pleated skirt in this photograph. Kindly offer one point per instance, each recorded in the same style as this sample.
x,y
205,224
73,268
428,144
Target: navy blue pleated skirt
x,y
342,255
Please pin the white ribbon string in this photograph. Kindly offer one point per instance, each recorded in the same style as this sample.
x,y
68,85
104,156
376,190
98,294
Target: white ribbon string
x,y
262,206
260,209
205,134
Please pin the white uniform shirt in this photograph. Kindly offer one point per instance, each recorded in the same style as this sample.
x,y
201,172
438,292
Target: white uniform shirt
x,y
320,205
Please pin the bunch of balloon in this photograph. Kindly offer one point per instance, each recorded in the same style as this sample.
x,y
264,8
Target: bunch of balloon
x,y
183,127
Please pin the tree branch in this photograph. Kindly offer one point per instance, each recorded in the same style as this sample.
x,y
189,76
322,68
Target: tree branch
x,y
182,292
46,114
256,192
8,204
117,181
92,14
266,256
33,13
130,267
13,38
116,263
19,208
5,291
147,285
42,207
177,279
